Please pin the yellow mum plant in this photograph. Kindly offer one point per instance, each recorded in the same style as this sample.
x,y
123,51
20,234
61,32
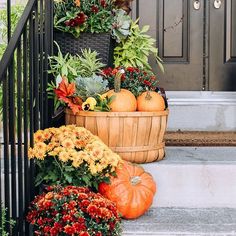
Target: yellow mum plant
x,y
72,155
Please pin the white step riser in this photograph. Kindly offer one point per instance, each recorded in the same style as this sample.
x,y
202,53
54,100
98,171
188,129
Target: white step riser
x,y
202,118
194,185
202,111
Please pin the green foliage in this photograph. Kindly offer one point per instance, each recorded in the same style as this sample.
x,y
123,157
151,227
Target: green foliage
x,y
121,25
103,103
51,95
134,79
16,12
89,63
87,16
135,50
4,221
91,86
83,65
53,172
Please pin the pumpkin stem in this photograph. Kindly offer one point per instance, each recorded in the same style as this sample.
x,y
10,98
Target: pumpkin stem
x,y
118,81
135,180
148,95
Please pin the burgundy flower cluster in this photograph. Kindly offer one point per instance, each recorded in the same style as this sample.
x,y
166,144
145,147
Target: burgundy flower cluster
x,y
73,211
77,21
134,79
81,17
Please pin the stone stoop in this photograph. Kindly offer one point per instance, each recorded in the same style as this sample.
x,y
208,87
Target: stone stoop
x,y
183,222
196,194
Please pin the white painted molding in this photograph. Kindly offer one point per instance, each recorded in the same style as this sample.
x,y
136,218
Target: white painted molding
x,y
201,98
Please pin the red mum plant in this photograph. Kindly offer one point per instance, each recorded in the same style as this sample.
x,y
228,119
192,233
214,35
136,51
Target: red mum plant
x,y
73,211
134,79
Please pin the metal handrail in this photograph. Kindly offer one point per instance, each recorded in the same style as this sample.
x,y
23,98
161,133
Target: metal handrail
x,y
25,107
9,52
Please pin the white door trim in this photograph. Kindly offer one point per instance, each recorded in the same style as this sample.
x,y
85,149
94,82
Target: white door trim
x,y
201,98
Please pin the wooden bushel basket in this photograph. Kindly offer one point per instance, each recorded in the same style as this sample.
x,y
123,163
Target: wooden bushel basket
x,y
136,136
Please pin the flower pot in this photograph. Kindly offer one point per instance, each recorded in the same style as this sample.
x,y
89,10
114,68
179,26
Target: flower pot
x,y
102,43
136,136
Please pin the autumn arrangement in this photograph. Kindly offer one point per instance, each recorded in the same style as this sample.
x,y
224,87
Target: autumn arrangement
x,y
83,180
114,115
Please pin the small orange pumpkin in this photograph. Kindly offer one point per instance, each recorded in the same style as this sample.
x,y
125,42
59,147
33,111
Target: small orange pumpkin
x,y
123,100
150,101
132,190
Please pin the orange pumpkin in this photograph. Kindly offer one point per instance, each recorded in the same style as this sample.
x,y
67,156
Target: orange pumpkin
x,y
123,100
150,101
132,190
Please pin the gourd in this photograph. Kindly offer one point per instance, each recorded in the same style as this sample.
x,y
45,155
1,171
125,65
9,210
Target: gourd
x,y
124,100
150,101
132,190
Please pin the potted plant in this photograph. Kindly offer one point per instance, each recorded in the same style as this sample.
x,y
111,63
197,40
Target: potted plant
x,y
135,50
73,210
83,24
123,109
71,155
132,128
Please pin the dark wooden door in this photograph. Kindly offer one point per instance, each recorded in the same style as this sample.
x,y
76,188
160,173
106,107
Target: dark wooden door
x,y
222,46
198,46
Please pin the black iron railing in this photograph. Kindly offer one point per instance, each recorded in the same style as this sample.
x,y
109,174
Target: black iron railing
x,y
24,79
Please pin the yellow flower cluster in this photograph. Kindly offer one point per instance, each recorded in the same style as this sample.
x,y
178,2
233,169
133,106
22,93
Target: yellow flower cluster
x,y
74,144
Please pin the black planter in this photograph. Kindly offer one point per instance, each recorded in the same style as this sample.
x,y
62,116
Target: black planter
x,y
102,43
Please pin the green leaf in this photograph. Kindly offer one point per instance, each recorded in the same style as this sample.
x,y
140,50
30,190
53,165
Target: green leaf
x,y
145,29
95,185
68,177
86,179
39,178
69,168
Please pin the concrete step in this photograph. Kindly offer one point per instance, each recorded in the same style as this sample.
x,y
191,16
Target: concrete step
x,y
184,222
195,177
202,111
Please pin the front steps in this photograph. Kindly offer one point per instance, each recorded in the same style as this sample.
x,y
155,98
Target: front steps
x,y
195,177
183,222
201,111
196,194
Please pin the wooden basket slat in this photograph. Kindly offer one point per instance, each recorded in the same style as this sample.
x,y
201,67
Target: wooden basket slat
x,y
163,128
113,132
161,154
153,138
148,128
134,140
135,136
141,137
121,129
79,120
128,136
102,127
90,124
